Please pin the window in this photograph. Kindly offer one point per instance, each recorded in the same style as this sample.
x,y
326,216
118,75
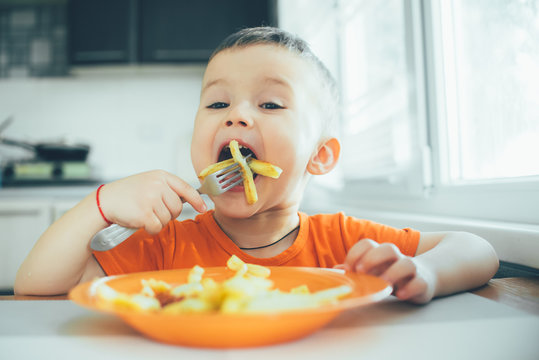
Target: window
x,y
440,112
490,53
375,89
383,114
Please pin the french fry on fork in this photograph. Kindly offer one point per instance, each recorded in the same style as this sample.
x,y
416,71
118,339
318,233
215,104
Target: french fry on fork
x,y
247,169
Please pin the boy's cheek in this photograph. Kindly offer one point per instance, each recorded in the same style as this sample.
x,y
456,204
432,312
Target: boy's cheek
x,y
197,156
199,161
201,147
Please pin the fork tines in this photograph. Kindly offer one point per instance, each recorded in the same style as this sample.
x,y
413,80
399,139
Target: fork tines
x,y
226,177
232,167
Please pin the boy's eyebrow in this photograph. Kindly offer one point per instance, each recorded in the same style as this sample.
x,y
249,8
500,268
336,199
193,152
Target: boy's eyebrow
x,y
278,81
213,83
268,79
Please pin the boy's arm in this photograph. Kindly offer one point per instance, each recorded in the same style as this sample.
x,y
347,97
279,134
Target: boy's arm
x,y
459,260
61,258
445,263
62,255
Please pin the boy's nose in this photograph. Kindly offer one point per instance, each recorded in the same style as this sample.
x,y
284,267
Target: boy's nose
x,y
239,122
239,116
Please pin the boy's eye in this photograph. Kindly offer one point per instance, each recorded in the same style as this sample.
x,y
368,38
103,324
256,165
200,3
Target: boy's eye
x,y
217,105
271,106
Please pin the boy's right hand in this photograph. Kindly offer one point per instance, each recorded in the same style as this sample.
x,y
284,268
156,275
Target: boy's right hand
x,y
148,200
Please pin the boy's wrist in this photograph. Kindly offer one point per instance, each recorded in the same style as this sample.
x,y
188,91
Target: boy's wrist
x,y
429,275
98,203
89,208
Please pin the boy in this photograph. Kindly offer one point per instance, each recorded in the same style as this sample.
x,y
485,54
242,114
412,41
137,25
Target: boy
x,y
264,88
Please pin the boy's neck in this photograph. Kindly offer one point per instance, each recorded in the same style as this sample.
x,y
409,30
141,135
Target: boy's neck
x,y
262,229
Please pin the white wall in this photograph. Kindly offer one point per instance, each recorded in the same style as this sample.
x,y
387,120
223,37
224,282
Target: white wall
x,y
135,118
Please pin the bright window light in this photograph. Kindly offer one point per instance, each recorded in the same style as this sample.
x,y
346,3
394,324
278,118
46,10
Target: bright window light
x,y
376,86
491,77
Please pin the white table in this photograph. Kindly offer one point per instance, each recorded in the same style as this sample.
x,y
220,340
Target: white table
x,y
463,326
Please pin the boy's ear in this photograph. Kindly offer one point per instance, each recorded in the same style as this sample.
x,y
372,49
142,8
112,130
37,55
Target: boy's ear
x,y
325,159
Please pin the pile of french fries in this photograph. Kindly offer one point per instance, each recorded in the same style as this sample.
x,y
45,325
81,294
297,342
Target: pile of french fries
x,y
247,168
249,290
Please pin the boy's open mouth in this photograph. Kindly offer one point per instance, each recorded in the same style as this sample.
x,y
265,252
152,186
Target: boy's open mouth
x,y
225,154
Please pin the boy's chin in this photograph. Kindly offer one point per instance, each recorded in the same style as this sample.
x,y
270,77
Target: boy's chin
x,y
234,208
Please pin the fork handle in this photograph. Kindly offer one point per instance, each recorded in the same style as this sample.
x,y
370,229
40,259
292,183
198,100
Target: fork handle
x,y
110,237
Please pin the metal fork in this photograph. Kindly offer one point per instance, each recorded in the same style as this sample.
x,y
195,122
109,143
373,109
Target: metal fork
x,y
216,183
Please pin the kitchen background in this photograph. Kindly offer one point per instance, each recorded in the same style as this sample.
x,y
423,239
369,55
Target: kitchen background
x,y
110,75
122,79
133,119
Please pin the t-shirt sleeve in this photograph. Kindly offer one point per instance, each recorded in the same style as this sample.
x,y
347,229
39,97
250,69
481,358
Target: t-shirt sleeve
x,y
355,229
140,252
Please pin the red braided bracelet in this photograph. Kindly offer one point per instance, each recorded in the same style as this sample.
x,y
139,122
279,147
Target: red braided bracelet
x,y
99,205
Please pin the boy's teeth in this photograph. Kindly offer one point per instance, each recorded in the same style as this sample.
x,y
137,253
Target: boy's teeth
x,y
226,154
239,146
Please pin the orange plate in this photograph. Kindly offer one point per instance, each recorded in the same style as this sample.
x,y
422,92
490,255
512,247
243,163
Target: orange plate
x,y
239,330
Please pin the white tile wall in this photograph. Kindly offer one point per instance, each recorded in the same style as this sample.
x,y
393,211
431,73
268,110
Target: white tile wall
x,y
135,118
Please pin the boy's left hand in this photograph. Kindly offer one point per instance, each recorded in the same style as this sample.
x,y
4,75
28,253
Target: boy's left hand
x,y
411,281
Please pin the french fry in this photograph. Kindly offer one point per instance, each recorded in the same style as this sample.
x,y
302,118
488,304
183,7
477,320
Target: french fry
x,y
187,290
109,298
151,286
258,271
247,168
236,264
249,290
302,289
331,295
190,305
215,167
246,173
259,167
195,275
265,168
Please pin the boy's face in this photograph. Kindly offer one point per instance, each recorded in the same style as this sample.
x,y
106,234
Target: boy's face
x,y
265,97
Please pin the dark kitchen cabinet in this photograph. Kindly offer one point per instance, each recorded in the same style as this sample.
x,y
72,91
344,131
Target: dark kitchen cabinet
x,y
151,31
100,31
189,30
33,38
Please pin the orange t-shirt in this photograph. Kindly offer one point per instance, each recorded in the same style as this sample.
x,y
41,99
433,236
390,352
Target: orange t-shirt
x,y
323,241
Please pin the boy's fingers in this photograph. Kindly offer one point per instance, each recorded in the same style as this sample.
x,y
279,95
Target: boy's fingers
x,y
415,290
173,203
153,224
400,272
378,260
162,213
186,192
357,252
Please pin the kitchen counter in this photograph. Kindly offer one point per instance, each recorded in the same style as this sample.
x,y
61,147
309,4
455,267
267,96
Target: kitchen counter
x,y
72,191
67,196
497,321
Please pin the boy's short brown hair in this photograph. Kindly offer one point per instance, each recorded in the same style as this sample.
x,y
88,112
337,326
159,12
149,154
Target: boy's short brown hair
x,y
329,96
